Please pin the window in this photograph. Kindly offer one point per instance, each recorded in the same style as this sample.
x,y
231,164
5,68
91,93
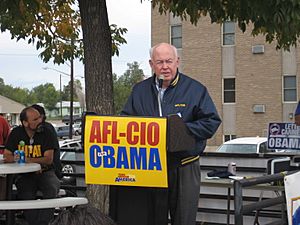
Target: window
x,y
176,36
289,89
229,90
263,147
228,33
228,137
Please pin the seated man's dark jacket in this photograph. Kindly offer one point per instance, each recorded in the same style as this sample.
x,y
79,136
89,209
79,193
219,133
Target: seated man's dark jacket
x,y
185,97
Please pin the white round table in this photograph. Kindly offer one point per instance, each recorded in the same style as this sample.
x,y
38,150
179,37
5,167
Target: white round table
x,y
15,168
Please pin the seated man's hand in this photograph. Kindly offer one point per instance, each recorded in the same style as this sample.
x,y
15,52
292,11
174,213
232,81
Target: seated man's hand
x,y
8,156
16,157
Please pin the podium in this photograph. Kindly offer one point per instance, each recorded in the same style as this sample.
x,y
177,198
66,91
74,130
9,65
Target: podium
x,y
148,205
179,138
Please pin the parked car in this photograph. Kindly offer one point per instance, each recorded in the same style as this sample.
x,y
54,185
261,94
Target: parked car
x,y
68,167
63,131
245,145
76,119
71,143
77,128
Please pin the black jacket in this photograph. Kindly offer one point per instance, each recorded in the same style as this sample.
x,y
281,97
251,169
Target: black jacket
x,y
186,97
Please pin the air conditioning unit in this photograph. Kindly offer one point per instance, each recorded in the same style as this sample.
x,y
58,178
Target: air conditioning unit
x,y
258,49
259,108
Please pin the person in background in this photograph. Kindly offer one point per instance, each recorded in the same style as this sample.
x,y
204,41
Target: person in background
x,y
38,145
82,215
56,160
4,132
190,100
297,114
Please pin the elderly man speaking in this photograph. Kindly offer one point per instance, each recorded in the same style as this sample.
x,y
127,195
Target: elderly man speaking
x,y
189,99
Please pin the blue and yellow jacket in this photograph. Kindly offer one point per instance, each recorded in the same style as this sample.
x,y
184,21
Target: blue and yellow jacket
x,y
185,97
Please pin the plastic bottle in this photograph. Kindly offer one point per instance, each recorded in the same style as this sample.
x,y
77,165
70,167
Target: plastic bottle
x,y
21,153
22,156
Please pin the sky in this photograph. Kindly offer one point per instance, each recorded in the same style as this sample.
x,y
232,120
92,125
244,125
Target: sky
x,y
20,65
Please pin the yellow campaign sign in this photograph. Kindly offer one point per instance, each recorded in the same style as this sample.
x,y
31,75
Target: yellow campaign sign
x,y
127,151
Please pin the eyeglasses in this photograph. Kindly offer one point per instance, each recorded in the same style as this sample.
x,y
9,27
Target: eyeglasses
x,y
161,62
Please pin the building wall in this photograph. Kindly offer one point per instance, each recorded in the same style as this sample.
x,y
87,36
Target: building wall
x,y
201,60
258,77
258,81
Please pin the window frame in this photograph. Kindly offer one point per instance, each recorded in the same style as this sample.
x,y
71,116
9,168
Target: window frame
x,y
229,90
230,136
284,89
176,37
226,33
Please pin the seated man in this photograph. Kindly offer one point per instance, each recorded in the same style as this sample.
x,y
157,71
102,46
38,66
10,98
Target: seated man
x,y
38,144
56,157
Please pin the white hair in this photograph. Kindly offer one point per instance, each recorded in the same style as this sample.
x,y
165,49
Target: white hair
x,y
155,46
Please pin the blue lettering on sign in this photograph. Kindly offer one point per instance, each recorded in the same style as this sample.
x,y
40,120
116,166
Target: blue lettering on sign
x,y
137,159
94,159
122,158
154,160
109,160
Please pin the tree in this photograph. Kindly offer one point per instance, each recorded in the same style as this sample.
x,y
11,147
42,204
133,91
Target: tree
x,y
66,90
53,26
277,20
124,84
47,94
32,19
15,93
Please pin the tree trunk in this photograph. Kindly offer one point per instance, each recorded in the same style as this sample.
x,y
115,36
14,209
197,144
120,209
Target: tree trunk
x,y
98,75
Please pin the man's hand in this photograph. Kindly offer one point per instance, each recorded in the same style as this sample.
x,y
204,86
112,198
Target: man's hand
x,y
16,157
8,156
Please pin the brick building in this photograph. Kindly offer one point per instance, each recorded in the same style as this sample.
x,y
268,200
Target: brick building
x,y
250,81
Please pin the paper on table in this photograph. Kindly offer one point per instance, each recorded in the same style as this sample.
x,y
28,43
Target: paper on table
x,y
212,178
236,177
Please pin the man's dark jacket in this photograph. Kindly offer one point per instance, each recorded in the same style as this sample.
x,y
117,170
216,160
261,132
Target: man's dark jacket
x,y
186,97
